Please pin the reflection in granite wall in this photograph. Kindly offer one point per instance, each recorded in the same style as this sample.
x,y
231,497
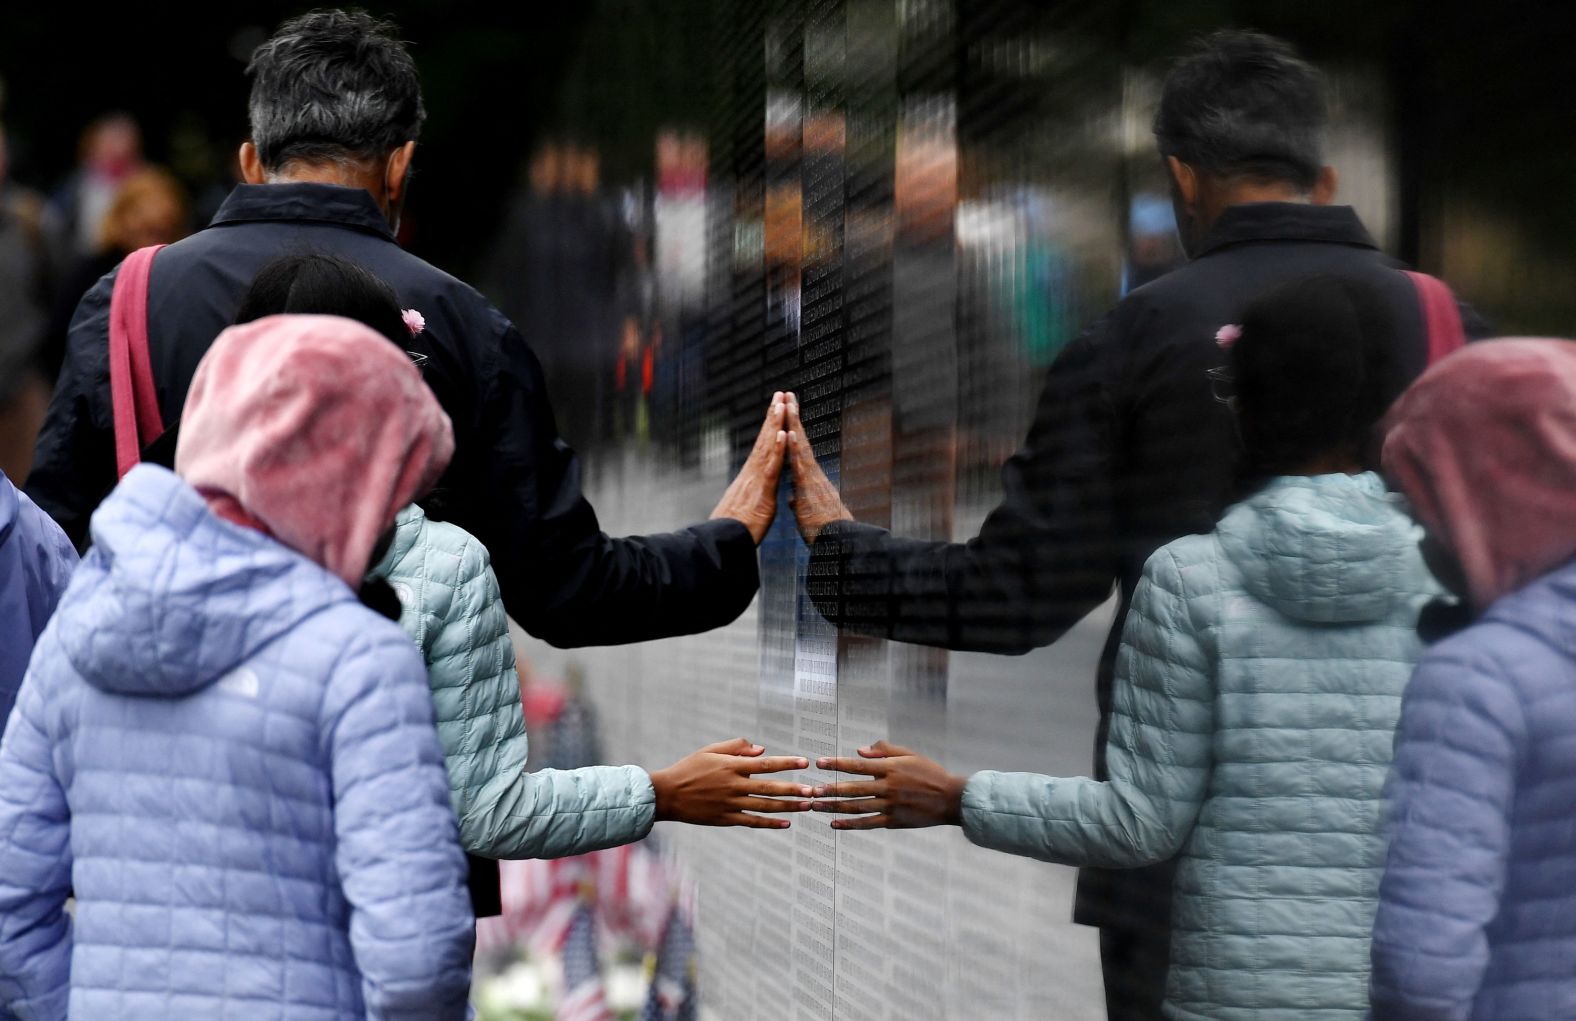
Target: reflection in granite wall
x,y
902,210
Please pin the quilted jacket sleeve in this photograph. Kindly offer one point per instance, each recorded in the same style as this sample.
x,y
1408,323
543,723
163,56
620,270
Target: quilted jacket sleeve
x,y
504,811
1450,792
471,668
1158,754
553,813
35,869
398,854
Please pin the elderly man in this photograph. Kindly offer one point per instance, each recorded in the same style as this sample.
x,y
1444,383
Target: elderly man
x,y
1129,448
335,111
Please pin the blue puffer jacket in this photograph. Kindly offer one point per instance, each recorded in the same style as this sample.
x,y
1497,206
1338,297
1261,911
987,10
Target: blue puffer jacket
x,y
233,763
1258,685
1477,912
453,612
36,561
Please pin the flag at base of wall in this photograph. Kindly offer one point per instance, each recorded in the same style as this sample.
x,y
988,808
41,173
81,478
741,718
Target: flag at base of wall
x,y
584,998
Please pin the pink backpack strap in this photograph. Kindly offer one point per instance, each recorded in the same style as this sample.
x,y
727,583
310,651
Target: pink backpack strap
x,y
1441,316
132,395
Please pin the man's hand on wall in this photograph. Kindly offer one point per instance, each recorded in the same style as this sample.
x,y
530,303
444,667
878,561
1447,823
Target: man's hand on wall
x,y
752,498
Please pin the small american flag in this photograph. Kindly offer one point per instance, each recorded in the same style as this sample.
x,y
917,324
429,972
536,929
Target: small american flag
x,y
583,997
672,996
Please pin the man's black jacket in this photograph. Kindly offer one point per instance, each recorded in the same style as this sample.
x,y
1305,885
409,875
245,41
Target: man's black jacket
x,y
513,483
1129,450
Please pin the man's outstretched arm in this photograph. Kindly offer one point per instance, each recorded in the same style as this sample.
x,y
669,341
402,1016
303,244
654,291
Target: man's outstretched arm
x,y
1044,558
564,579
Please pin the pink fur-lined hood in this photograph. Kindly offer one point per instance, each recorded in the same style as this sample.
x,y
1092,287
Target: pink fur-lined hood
x,y
315,429
1484,446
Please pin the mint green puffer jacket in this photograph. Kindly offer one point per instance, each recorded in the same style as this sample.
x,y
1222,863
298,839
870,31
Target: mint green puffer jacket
x,y
453,612
1258,688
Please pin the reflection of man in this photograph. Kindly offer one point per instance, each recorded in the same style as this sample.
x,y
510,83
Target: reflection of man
x,y
335,108
1128,449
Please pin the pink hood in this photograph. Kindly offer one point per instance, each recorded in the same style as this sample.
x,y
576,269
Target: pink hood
x,y
317,429
1484,445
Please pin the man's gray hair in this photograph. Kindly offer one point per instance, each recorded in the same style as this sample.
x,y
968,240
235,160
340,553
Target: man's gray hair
x,y
333,86
1244,104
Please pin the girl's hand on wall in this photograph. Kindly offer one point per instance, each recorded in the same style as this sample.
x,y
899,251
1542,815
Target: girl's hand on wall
x,y
716,786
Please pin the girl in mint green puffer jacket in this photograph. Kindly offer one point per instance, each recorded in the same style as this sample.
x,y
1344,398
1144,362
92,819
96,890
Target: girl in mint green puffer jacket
x,y
1258,687
451,609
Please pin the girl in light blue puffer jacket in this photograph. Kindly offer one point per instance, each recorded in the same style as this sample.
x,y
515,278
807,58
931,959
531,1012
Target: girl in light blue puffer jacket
x,y
450,606
1258,687
225,755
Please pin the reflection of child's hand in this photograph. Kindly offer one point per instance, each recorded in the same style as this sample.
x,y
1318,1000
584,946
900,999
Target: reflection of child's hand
x,y
906,791
716,787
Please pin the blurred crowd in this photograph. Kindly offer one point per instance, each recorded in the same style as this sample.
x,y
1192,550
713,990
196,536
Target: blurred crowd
x,y
57,243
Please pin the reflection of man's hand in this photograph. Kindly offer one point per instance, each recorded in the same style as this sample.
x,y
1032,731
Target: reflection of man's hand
x,y
906,791
752,498
815,500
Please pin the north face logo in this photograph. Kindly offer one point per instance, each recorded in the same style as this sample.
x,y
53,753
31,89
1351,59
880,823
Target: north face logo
x,y
240,681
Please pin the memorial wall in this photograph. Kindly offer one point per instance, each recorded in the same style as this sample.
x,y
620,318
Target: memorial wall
x,y
901,211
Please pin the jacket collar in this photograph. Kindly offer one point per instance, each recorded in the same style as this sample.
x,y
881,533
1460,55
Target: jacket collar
x,y
305,202
1285,221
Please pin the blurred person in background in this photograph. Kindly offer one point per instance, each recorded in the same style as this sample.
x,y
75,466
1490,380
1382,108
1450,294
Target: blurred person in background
x,y
32,256
24,398
1477,913
110,152
32,250
1128,449
335,111
150,208
562,271
669,373
225,756
1256,693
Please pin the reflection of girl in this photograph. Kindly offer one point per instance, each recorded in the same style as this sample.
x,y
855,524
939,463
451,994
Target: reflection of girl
x,y
1477,912
1258,684
450,606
